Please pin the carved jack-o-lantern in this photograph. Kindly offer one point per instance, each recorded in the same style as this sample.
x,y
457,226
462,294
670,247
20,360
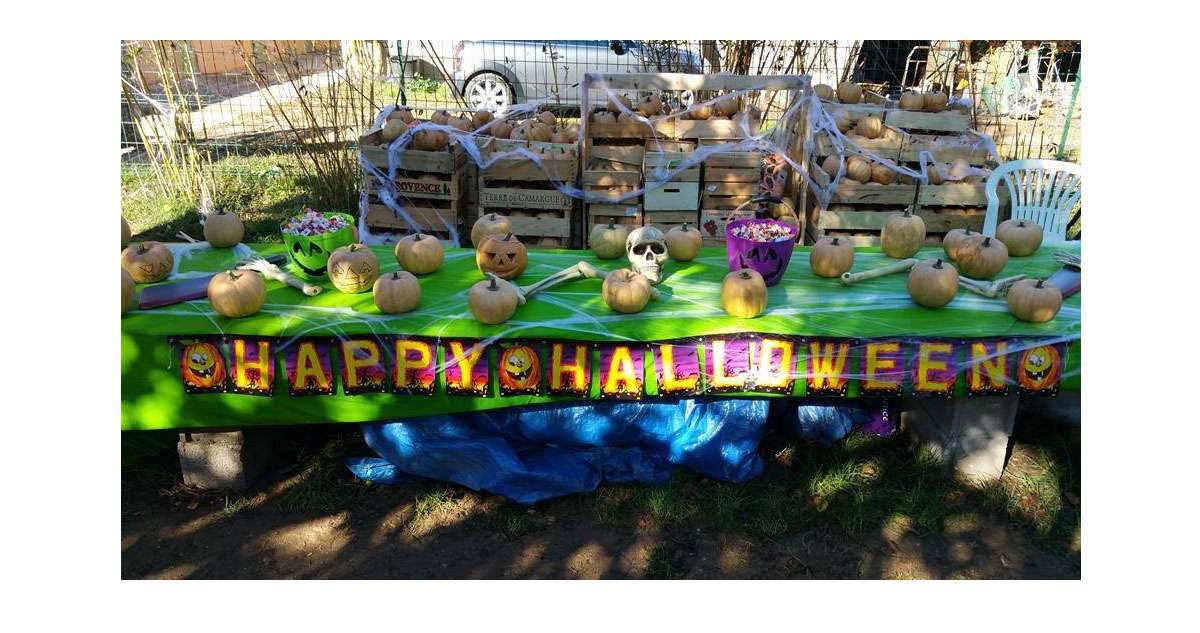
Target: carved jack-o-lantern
x,y
503,256
353,268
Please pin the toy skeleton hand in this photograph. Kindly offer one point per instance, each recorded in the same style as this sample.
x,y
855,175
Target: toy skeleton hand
x,y
989,289
271,271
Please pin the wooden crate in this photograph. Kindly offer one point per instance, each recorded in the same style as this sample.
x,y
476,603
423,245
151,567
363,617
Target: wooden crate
x,y
613,170
522,190
712,224
666,220
431,187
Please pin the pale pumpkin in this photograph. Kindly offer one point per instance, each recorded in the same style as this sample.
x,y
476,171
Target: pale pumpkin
x,y
500,129
607,241
902,235
702,112
936,174
824,92
126,234
460,123
481,118
1034,300
744,293
830,257
932,284
393,129
547,117
353,269
560,135
127,303
503,256
912,101
935,101
955,240
882,175
397,293
419,254
625,291
237,293
540,132
728,105
402,113
869,126
223,229
487,225
830,165
147,262
683,243
1022,237
849,92
650,105
440,117
604,117
619,103
430,140
843,121
982,257
492,302
858,169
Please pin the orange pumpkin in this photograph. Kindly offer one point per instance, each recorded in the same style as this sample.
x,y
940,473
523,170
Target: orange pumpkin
x,y
982,257
147,262
1034,300
830,257
237,293
932,284
419,254
488,225
902,235
625,291
396,293
744,293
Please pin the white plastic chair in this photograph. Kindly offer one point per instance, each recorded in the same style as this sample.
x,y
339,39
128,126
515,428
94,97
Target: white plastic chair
x,y
1041,191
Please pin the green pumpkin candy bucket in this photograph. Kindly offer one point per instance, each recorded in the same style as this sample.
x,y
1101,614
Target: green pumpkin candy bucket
x,y
310,237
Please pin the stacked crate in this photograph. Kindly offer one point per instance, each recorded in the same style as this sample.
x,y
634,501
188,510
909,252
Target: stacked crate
x,y
613,160
430,186
728,178
676,201
519,188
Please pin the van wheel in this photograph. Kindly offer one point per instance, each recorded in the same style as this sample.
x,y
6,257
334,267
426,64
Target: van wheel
x,y
488,91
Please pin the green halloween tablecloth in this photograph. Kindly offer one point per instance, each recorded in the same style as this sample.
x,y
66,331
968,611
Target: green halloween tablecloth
x,y
802,305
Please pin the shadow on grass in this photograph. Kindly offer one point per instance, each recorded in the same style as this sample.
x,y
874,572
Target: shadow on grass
x,y
865,508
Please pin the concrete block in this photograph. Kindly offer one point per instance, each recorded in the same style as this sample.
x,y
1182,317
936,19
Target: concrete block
x,y
230,459
970,435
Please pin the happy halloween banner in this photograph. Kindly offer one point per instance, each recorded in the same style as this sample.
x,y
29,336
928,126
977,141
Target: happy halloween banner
x,y
741,363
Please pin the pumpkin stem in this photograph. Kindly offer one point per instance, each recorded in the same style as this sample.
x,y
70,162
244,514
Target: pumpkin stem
x,y
508,237
611,225
233,274
835,241
938,263
492,285
1040,282
745,274
142,248
395,274
987,241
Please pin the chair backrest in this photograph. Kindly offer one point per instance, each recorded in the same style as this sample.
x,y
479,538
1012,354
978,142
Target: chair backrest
x,y
1042,191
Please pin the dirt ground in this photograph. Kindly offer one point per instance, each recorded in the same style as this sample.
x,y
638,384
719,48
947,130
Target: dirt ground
x,y
868,508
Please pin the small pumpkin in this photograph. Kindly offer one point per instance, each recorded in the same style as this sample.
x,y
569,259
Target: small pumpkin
x,y
683,243
935,101
397,293
540,132
830,165
547,117
824,92
430,140
650,105
460,123
353,269
604,117
982,257
702,112
607,241
869,126
882,175
858,169
223,229
1022,237
912,101
844,121
830,257
402,113
561,135
1034,300
625,291
932,283
728,105
126,234
500,129
419,254
744,293
126,291
936,174
440,117
237,293
955,240
393,129
625,103
903,234
481,117
503,256
147,262
487,225
492,302
849,92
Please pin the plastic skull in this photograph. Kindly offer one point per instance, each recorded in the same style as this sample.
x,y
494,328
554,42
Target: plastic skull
x,y
646,249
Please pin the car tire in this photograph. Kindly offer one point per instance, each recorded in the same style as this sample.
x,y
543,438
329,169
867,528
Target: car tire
x,y
489,91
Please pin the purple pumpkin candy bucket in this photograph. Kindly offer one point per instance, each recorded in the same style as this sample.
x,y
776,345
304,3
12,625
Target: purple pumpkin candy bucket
x,y
768,256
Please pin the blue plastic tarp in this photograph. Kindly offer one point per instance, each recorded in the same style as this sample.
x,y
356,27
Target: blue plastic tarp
x,y
536,453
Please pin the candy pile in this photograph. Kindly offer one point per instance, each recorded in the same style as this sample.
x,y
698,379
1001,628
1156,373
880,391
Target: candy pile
x,y
314,223
763,232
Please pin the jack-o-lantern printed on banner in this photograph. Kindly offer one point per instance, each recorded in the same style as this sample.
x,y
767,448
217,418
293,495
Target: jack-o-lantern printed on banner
x,y
772,365
677,368
622,371
364,365
465,366
881,366
251,365
201,364
1039,368
568,368
519,369
308,367
934,368
415,368
989,367
827,367
726,364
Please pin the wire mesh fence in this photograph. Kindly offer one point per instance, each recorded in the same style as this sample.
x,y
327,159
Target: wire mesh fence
x,y
236,97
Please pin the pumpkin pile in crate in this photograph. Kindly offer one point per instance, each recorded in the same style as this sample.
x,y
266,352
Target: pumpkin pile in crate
x,y
518,187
